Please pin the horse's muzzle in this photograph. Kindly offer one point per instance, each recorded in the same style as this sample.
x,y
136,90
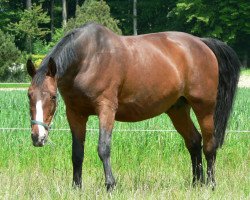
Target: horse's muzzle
x,y
38,141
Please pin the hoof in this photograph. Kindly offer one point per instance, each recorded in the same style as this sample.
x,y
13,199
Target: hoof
x,y
110,186
198,182
211,184
77,185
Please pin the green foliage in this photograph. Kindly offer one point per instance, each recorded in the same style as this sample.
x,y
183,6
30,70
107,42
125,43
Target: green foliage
x,y
10,59
151,15
30,24
10,11
38,58
226,20
42,47
95,11
56,37
58,34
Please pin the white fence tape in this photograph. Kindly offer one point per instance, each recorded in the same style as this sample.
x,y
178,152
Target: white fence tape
x,y
118,130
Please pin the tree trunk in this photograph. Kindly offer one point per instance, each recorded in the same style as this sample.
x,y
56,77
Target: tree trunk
x,y
28,4
28,38
135,17
64,12
52,28
245,59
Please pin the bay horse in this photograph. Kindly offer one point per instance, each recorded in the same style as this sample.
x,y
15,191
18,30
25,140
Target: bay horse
x,y
133,78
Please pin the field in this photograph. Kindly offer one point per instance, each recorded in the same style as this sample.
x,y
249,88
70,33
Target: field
x,y
14,85
245,72
146,164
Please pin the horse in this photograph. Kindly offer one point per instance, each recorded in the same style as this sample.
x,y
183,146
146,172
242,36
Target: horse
x,y
134,78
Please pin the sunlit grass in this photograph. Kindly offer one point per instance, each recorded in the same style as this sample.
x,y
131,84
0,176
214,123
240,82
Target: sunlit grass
x,y
147,165
14,85
245,71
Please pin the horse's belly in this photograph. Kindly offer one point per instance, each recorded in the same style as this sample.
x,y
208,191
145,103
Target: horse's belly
x,y
138,111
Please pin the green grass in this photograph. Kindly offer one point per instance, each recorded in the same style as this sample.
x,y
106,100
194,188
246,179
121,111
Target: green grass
x,y
147,165
14,85
245,72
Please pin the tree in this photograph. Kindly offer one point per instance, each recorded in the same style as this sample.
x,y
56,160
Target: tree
x,y
64,12
52,17
228,21
9,55
30,24
28,4
95,11
123,11
9,12
151,15
135,17
28,37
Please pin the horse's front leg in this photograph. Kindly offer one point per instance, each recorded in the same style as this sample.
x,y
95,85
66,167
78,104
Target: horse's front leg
x,y
77,125
106,122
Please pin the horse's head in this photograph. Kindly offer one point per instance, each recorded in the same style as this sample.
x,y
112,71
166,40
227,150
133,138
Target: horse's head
x,y
42,101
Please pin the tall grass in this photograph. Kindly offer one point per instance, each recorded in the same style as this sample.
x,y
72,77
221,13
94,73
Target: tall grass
x,y
14,85
147,165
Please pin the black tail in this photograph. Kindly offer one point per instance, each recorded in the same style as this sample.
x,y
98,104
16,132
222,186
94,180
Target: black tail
x,y
229,71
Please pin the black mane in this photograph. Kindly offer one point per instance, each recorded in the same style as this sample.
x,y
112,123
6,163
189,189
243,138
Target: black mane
x,y
63,54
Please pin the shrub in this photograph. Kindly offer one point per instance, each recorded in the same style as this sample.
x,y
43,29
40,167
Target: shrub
x,y
93,11
11,67
37,59
40,47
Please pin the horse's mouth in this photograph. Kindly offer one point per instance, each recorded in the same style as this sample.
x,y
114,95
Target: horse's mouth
x,y
40,143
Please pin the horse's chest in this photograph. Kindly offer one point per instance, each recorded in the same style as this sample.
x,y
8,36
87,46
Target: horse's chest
x,y
78,103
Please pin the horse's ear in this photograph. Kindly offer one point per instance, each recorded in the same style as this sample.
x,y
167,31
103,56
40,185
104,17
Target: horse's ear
x,y
51,68
31,68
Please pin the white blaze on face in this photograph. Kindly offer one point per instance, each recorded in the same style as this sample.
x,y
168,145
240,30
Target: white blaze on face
x,y
39,117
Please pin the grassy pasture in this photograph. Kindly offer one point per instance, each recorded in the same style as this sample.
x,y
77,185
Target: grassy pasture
x,y
245,72
147,165
14,85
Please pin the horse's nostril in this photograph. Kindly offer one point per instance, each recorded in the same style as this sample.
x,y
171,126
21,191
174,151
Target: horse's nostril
x,y
34,137
42,139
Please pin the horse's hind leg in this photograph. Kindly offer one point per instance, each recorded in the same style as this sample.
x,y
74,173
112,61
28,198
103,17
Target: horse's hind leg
x,y
180,116
205,116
